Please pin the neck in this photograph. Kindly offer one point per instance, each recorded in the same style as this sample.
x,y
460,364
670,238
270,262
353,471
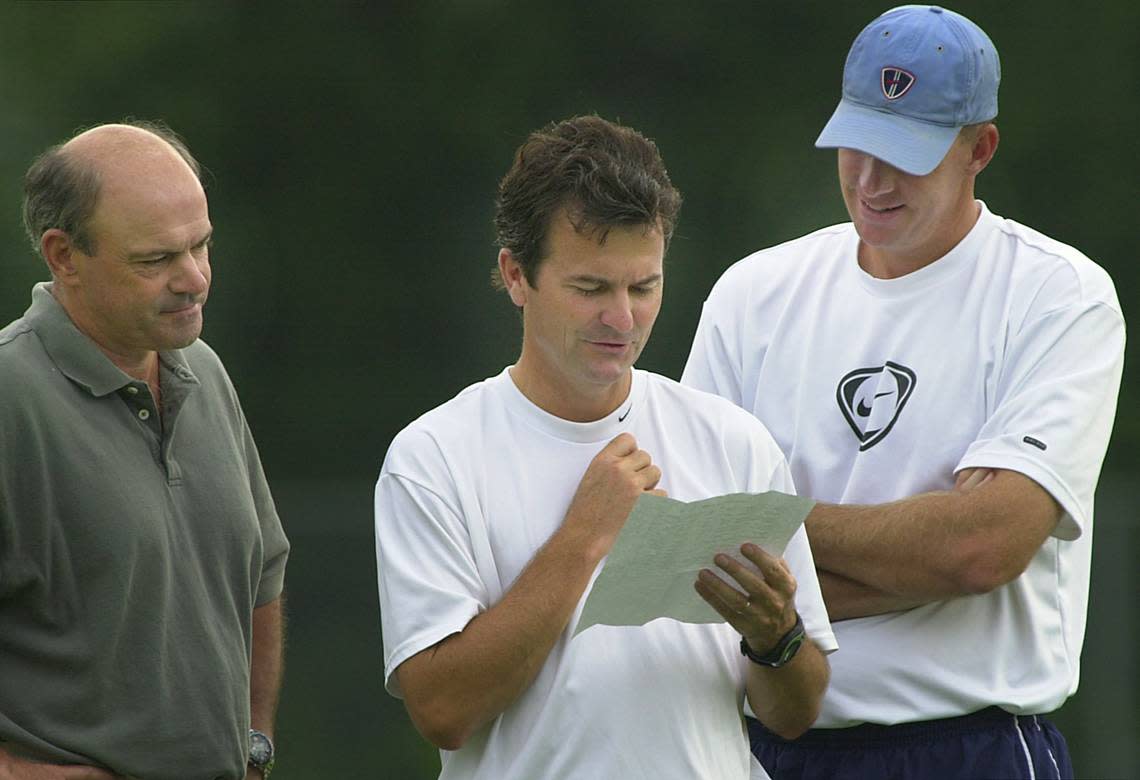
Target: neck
x,y
135,364
887,263
573,403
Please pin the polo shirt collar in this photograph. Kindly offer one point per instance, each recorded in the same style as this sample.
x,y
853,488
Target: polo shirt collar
x,y
77,356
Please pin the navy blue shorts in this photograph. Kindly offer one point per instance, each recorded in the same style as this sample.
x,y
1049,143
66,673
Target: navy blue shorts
x,y
990,744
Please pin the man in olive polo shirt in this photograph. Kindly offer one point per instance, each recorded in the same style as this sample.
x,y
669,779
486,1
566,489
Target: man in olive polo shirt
x,y
141,558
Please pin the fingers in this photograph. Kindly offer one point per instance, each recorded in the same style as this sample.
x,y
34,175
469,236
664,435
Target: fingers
x,y
748,579
968,479
638,462
621,445
84,773
762,615
763,600
773,570
650,476
618,475
728,602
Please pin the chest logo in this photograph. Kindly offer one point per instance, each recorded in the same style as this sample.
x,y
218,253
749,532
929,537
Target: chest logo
x,y
871,400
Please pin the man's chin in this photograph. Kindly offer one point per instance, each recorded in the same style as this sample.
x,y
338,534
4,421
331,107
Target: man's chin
x,y
611,373
180,339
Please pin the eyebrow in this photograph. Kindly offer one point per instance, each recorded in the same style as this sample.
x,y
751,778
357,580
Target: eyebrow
x,y
158,252
588,279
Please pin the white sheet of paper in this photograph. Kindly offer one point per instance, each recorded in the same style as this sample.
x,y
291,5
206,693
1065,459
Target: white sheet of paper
x,y
651,569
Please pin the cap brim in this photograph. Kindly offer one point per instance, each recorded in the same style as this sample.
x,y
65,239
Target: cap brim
x,y
908,144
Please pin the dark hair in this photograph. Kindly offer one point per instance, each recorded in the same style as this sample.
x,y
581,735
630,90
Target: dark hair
x,y
603,174
61,191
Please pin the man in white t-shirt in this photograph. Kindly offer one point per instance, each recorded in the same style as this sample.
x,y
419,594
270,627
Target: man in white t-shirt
x,y
495,510
946,380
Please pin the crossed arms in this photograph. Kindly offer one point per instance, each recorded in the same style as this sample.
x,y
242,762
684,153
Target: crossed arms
x,y
933,546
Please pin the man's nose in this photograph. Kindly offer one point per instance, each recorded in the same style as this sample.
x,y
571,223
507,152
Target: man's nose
x,y
191,274
618,314
875,176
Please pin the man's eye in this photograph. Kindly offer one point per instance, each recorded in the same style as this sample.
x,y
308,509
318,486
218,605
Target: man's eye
x,y
589,290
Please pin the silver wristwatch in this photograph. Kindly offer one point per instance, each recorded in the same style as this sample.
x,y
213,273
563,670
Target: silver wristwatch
x,y
260,752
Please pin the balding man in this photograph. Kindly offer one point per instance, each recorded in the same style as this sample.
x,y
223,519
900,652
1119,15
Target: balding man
x,y
141,557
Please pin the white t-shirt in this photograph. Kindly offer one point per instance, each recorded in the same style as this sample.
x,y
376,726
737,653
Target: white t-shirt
x,y
467,495
1005,353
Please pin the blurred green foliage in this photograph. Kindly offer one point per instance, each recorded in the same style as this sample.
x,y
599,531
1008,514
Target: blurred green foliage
x,y
353,151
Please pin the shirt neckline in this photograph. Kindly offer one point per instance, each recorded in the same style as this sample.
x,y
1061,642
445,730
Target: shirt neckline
x,y
963,255
619,420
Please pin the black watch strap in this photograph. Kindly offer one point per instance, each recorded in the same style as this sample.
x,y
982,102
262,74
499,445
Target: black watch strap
x,y
784,651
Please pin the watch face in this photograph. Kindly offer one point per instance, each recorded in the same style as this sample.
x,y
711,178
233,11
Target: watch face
x,y
260,750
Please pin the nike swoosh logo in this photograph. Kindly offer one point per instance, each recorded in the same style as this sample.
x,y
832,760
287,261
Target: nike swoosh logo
x,y
863,410
627,411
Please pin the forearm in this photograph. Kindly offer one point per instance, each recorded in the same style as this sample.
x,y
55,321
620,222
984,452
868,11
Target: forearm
x,y
267,664
846,598
787,700
936,545
455,688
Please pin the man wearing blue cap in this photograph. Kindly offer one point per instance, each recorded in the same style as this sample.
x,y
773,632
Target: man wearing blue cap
x,y
944,381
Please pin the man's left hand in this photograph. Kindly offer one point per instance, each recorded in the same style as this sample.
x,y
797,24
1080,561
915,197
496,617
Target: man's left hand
x,y
763,607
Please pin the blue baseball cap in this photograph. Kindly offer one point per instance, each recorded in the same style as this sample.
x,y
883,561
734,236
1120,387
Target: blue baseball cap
x,y
913,78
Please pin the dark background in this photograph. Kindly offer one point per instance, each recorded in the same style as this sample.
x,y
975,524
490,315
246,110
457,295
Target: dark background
x,y
353,151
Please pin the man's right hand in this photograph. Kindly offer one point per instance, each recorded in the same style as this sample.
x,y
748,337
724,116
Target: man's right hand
x,y
617,476
13,768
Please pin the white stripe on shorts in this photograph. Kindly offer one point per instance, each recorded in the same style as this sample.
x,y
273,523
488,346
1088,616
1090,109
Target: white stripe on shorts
x,y
1025,748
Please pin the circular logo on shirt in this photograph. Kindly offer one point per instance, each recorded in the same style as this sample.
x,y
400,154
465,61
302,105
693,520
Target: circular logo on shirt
x,y
871,400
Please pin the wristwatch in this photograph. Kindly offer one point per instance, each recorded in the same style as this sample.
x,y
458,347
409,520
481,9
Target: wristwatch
x,y
260,752
784,651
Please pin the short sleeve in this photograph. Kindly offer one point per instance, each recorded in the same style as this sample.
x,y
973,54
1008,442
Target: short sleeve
x,y
1054,406
427,576
275,545
714,363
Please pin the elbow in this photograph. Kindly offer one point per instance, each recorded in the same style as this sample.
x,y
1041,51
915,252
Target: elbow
x,y
792,722
794,729
439,724
986,570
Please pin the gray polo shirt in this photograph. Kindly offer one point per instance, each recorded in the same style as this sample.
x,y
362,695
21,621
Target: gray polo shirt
x,y
133,549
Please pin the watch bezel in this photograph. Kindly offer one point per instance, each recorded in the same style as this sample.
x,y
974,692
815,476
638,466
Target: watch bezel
x,y
261,752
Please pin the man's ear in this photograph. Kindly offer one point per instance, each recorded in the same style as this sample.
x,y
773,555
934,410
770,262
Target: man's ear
x,y
985,145
59,253
514,280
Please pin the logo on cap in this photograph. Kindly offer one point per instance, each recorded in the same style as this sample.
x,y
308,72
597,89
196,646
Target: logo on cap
x,y
895,82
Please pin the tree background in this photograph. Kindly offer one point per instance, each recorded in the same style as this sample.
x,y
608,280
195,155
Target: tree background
x,y
353,152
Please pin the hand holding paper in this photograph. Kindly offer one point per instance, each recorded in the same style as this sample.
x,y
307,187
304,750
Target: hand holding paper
x,y
653,564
